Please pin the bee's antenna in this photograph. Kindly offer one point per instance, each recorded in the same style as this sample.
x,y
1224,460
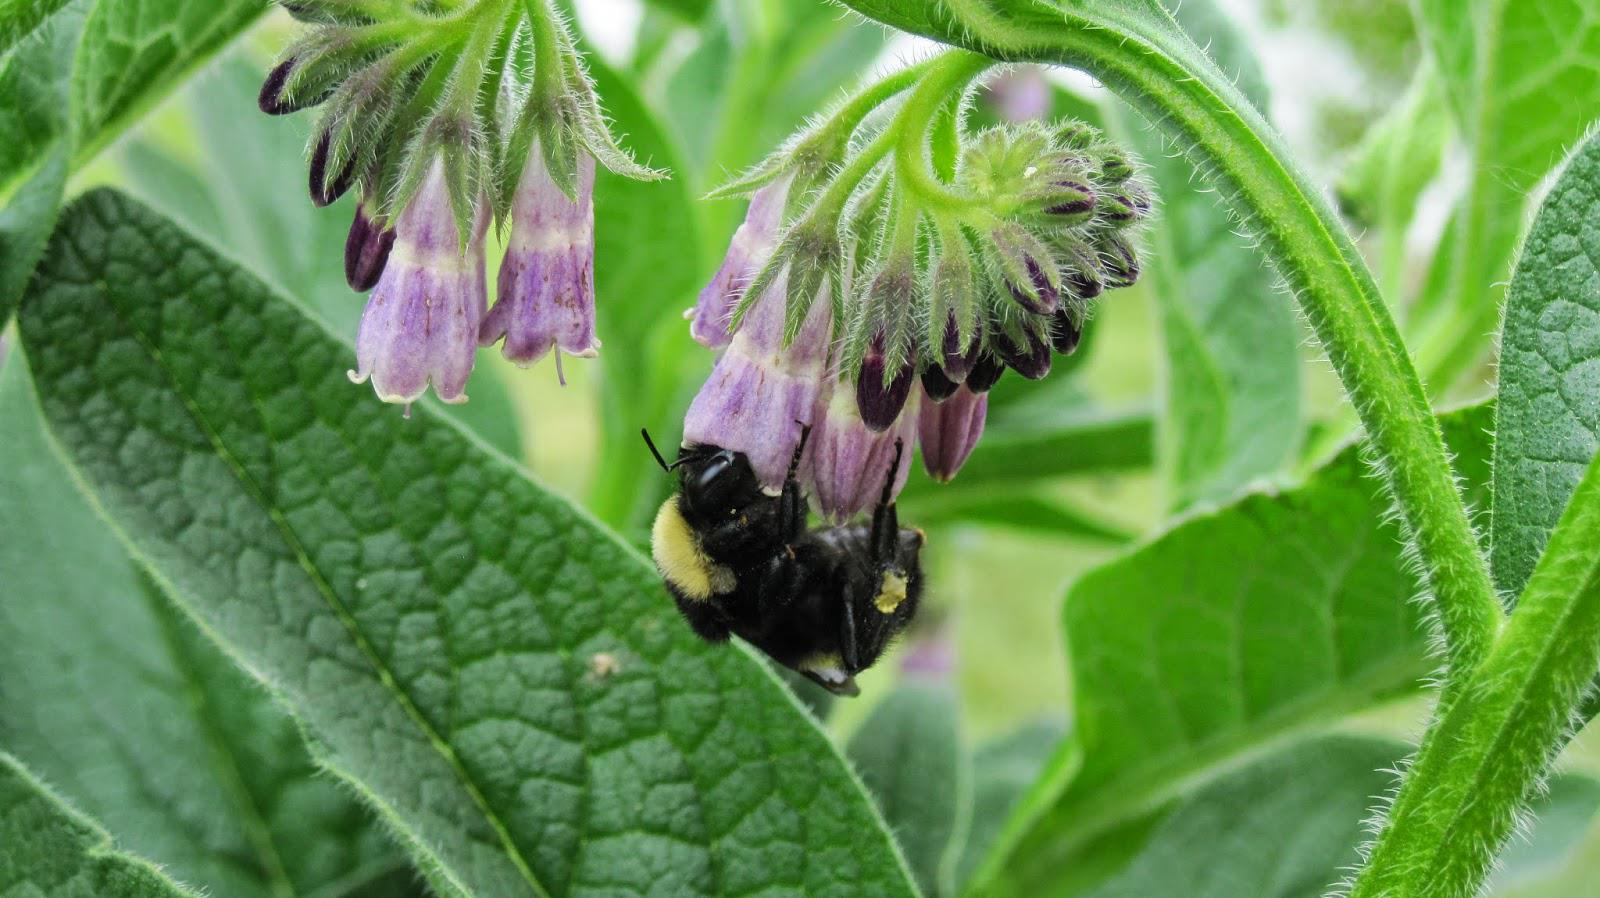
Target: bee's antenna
x,y
645,432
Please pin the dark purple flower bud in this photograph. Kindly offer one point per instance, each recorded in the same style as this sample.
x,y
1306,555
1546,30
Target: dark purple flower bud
x,y
880,403
985,373
366,251
1031,359
271,99
1119,261
1065,333
1043,299
760,390
1071,201
936,385
323,191
950,430
748,251
546,287
1080,271
847,462
421,322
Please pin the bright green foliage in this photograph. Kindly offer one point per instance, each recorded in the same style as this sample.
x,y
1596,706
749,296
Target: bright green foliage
x,y
82,75
1280,612
48,850
910,755
1511,70
1484,759
504,681
1231,383
1001,772
1548,425
18,18
122,704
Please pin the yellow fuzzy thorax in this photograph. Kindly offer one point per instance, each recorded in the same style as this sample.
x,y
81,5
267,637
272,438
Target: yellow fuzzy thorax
x,y
680,558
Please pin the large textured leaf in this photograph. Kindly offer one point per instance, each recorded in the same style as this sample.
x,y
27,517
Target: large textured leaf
x,y
1231,383
1002,770
1512,69
48,850
910,755
108,693
18,18
246,193
1233,630
1548,424
507,683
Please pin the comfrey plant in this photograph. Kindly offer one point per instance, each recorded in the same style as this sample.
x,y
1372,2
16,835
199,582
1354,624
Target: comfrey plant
x,y
892,265
447,118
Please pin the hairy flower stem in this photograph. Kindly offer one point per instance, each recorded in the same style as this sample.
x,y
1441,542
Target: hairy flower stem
x,y
1488,754
914,126
1135,48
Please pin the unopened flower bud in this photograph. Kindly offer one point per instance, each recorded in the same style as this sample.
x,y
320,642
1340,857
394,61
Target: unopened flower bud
x,y
1115,167
957,360
421,322
1126,205
1065,332
985,373
949,430
881,403
1028,270
1030,358
271,99
936,386
325,191
1070,202
847,462
1118,260
546,286
761,392
366,251
748,251
1080,268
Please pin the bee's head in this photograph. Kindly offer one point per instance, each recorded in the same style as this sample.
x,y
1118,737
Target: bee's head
x,y
870,619
717,483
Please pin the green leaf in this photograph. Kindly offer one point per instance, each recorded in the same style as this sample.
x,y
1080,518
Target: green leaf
x,y
1286,826
1230,632
506,682
18,18
48,850
1002,770
1231,385
120,702
1561,819
130,54
82,74
1511,75
1548,424
909,753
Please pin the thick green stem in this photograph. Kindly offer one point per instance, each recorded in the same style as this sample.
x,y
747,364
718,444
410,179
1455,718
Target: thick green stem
x,y
1488,752
914,125
1134,47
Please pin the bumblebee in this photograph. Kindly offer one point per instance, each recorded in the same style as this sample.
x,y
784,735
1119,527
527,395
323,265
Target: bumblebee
x,y
825,602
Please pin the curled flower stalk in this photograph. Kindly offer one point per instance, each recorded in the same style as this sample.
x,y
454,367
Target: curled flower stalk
x,y
443,119
941,255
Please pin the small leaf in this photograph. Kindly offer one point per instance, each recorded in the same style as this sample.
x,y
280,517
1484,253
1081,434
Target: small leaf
x,y
118,700
48,849
508,684
1280,613
1548,424
909,754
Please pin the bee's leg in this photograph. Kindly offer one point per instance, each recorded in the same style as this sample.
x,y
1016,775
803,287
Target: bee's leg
x,y
781,580
705,619
792,502
885,520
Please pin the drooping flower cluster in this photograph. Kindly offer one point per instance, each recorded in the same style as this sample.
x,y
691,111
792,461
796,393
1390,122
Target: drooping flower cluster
x,y
891,268
444,118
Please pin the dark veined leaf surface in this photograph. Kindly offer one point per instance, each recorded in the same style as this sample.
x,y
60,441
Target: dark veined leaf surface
x,y
507,683
121,704
909,752
1548,424
48,850
1231,384
1232,631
